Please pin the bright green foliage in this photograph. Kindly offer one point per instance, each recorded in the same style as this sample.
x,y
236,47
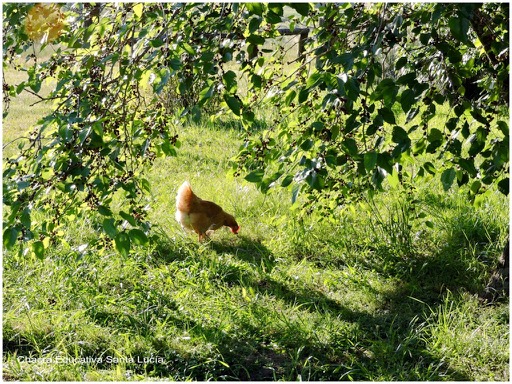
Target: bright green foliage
x,y
365,65
125,76
118,74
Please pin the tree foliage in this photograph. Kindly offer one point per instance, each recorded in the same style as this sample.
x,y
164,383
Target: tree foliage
x,y
340,133
109,73
125,76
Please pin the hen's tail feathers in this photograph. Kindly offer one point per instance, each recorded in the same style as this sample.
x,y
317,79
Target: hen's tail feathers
x,y
185,197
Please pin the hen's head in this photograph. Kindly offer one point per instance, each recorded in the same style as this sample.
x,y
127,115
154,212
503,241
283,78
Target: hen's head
x,y
232,224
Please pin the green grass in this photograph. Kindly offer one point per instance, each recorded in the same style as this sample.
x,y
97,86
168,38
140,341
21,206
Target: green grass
x,y
374,293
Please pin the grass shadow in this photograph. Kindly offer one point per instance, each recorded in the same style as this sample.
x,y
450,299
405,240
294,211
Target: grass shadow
x,y
384,344
451,249
253,252
381,335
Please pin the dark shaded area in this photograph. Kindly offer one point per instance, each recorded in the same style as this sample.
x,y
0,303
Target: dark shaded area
x,y
376,347
498,287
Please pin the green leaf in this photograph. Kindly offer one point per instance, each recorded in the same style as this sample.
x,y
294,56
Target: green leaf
x,y
314,79
301,8
370,160
372,128
401,137
102,210
394,179
290,95
479,117
256,39
335,131
38,248
503,127
503,186
352,89
386,90
287,181
10,236
255,176
83,134
424,38
267,181
295,192
110,228
462,177
378,176
432,147
350,146
175,64
122,243
407,100
429,167
129,218
156,43
388,115
138,237
256,81
475,186
34,81
307,144
412,114
315,180
248,116
469,166
206,94
435,135
66,132
454,56
145,182
459,27
447,178
255,8
168,148
346,59
230,81
385,161
459,109
195,112
377,123
303,95
188,48
272,17
21,86
409,79
254,24
276,8
352,122
401,62
138,9
161,80
98,128
21,185
476,147
233,103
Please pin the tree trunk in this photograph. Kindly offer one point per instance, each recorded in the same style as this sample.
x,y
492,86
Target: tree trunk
x,y
498,286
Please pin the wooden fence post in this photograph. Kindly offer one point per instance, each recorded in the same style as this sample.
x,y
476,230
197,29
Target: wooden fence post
x,y
302,44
